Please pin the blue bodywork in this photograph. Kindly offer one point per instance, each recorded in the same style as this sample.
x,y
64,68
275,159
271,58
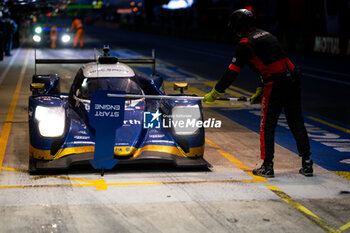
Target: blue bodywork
x,y
133,142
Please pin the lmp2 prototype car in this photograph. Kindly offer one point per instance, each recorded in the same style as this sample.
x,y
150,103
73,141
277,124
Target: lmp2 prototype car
x,y
153,129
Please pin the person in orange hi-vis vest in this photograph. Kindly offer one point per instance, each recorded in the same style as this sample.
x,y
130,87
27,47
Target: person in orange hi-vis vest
x,y
53,36
78,26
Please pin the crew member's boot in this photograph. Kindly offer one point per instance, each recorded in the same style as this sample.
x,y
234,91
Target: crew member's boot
x,y
266,170
306,169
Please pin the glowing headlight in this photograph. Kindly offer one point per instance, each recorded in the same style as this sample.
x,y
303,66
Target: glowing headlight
x,y
65,38
186,120
51,121
38,30
36,38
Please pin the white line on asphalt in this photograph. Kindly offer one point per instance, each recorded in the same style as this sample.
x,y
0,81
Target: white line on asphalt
x,y
203,52
8,66
326,79
304,67
324,71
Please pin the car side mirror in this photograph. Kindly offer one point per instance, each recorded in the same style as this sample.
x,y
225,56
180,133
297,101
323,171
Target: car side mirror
x,y
37,88
181,87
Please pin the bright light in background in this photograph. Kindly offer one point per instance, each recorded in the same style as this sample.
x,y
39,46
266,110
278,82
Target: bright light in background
x,y
178,4
38,30
65,38
36,38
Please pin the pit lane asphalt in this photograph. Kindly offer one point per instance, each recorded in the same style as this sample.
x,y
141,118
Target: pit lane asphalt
x,y
228,198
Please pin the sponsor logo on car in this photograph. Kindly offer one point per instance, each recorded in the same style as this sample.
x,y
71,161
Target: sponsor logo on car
x,y
151,120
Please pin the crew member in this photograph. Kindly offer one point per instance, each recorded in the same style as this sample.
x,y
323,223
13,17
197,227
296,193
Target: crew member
x,y
2,34
53,36
280,88
11,28
78,26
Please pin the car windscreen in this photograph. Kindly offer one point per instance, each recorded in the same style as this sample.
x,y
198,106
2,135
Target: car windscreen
x,y
90,85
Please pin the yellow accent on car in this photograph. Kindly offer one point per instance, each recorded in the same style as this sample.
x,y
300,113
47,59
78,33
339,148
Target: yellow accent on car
x,y
124,150
118,151
37,86
178,86
46,154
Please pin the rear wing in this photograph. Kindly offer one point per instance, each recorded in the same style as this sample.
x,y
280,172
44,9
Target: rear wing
x,y
151,61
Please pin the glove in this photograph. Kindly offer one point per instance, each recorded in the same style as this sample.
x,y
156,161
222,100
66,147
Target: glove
x,y
211,96
256,98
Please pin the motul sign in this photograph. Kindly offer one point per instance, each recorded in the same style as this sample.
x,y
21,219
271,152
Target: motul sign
x,y
331,45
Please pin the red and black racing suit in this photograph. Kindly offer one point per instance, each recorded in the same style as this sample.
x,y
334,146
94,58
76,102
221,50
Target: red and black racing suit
x,y
262,52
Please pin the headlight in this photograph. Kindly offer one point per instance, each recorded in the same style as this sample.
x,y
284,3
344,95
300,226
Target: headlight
x,y
186,120
51,121
37,38
38,30
65,38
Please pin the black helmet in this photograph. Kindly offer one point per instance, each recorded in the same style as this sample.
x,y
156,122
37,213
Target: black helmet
x,y
241,21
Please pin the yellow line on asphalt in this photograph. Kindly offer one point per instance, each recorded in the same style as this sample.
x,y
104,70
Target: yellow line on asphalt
x,y
235,93
242,90
143,183
343,228
63,178
14,169
329,124
296,205
16,121
102,185
228,91
235,161
346,175
46,186
7,126
279,192
199,78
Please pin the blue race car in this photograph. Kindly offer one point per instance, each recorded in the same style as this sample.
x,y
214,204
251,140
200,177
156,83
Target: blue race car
x,y
155,127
